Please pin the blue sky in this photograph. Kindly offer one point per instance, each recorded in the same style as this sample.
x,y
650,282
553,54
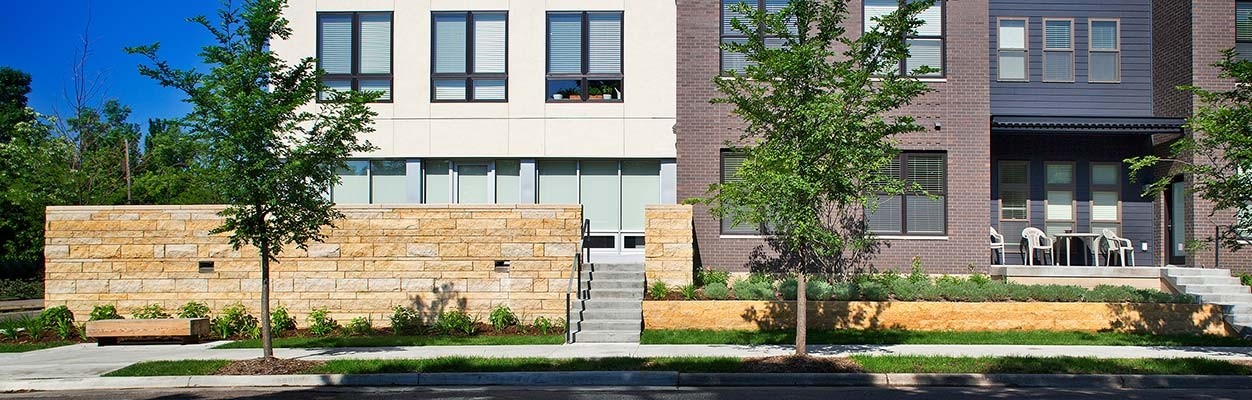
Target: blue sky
x,y
28,42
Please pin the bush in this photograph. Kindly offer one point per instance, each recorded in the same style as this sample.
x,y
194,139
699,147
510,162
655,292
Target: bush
x,y
151,311
706,277
658,290
1058,293
363,326
717,291
33,327
103,311
234,320
60,320
543,324
11,328
501,318
1114,294
281,319
688,291
21,289
843,291
455,322
819,290
1245,279
193,310
789,288
405,321
873,291
320,322
750,289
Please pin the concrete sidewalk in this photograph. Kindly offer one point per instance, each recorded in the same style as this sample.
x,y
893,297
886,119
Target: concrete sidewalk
x,y
87,360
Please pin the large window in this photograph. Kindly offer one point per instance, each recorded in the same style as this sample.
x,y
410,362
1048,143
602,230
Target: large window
x,y
355,51
1104,53
1243,29
1014,50
584,56
733,61
731,161
1059,210
1014,190
1058,50
926,46
1106,197
916,212
371,182
470,56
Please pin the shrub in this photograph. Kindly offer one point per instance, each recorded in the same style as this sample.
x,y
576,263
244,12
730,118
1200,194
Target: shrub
x,y
907,289
1114,294
501,318
543,324
843,291
873,291
455,322
917,274
717,291
818,290
405,321
11,328
234,320
33,326
193,310
21,289
320,322
749,289
688,291
362,326
1245,279
281,319
789,288
60,320
1058,293
979,279
707,277
150,311
658,290
103,311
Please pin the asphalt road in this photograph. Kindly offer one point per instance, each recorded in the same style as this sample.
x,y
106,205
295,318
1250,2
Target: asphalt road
x,y
639,394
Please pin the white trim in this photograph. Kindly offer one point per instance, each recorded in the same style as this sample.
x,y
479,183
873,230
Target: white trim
x,y
742,237
906,237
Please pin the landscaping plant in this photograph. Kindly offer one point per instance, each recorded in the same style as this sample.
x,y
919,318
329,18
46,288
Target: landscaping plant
x,y
33,326
688,291
360,326
233,320
193,309
543,324
60,320
716,291
455,322
405,321
658,290
705,277
103,311
320,322
21,289
752,289
150,311
501,318
281,320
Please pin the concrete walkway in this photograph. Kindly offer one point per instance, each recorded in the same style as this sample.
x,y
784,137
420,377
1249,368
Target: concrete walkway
x,y
88,360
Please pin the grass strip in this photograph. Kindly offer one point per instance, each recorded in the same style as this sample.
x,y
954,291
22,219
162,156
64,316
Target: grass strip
x,y
478,364
397,341
1049,365
898,336
171,368
24,347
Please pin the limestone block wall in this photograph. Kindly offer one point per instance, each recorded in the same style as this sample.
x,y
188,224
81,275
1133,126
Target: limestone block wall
x,y
433,257
670,247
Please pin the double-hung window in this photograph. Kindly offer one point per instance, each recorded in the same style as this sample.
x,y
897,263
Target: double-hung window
x,y
1058,50
1104,53
1013,50
584,56
1059,210
734,61
1106,197
922,209
925,45
470,56
731,162
1243,29
354,48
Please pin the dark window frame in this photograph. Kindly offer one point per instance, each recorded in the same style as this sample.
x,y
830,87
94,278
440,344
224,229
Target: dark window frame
x,y
1022,187
903,158
903,69
758,230
1237,40
721,23
469,76
585,77
356,76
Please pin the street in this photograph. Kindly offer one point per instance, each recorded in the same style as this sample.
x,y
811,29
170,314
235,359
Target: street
x,y
632,394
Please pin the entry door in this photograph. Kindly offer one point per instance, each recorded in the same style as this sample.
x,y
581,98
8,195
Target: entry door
x,y
473,185
1176,197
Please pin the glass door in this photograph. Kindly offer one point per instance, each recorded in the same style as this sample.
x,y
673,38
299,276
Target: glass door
x,y
473,184
1176,198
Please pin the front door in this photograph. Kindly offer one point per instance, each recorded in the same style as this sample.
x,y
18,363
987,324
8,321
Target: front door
x,y
1175,199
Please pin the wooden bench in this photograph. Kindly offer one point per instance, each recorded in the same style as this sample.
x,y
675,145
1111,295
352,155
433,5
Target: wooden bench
x,y
106,332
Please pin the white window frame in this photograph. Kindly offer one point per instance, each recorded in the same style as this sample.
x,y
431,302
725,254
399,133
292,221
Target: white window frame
x,y
1025,50
1071,187
1047,50
1116,187
1117,51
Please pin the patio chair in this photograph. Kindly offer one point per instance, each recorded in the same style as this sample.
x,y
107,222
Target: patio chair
x,y
997,244
1036,240
1119,245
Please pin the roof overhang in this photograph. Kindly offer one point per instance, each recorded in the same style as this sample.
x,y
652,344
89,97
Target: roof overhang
x,y
1005,124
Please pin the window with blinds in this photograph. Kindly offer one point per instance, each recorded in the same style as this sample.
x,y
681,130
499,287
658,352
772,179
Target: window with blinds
x,y
731,162
922,209
1013,50
1104,51
735,61
1243,29
926,46
355,51
1059,210
1058,50
584,56
1014,190
469,56
1105,197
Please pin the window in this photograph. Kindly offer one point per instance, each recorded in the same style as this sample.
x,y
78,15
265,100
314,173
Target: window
x,y
1014,190
1243,29
371,182
926,46
584,56
470,56
1014,50
914,212
1105,197
1104,53
1058,50
355,51
1059,209
731,161
737,62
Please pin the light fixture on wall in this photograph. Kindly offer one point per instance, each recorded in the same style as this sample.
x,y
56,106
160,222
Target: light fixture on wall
x,y
938,126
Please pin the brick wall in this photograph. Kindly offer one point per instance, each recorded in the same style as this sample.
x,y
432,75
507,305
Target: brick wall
x,y
959,103
431,257
1171,57
670,253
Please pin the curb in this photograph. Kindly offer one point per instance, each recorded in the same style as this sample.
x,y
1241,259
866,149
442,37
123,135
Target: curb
x,y
639,379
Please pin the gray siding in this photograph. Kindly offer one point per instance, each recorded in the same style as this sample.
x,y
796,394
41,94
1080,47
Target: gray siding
x,y
1131,97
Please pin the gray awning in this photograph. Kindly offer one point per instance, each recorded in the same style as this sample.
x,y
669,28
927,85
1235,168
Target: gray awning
x,y
1086,125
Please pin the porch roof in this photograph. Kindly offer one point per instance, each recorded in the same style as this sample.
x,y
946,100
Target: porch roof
x,y
1007,124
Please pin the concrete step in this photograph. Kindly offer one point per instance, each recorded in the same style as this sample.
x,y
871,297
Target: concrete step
x,y
1239,319
612,276
614,284
1197,272
613,304
1214,289
615,267
607,337
1237,309
598,325
634,294
1203,280
595,315
1227,299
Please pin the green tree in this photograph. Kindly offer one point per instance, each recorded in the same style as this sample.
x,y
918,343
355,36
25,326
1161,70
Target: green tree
x,y
33,171
819,127
273,149
1217,156
173,168
14,88
105,153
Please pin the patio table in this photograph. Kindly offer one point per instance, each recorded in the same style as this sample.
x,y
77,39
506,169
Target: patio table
x,y
1087,238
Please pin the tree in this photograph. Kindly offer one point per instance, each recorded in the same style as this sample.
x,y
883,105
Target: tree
x,y
33,172
818,131
273,152
1218,153
173,168
14,88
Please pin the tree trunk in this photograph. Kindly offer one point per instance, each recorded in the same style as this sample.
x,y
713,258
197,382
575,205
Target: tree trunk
x,y
802,320
267,342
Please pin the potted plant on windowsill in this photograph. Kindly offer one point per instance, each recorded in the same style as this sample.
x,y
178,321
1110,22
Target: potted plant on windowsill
x,y
572,94
608,92
594,94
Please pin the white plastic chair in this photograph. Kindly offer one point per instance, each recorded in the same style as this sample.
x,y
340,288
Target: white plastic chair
x,y
1119,245
997,244
1036,240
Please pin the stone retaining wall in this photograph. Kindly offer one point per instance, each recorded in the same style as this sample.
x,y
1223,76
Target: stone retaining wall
x,y
670,249
938,316
433,257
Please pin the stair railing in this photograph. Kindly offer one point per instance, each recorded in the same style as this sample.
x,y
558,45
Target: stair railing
x,y
575,285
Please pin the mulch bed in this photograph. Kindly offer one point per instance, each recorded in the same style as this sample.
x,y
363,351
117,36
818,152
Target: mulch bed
x,y
269,366
800,364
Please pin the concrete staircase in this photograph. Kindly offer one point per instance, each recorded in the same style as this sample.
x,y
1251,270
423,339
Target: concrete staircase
x,y
1216,286
611,309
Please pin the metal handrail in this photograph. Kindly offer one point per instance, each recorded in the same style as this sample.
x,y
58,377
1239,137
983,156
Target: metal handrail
x,y
576,276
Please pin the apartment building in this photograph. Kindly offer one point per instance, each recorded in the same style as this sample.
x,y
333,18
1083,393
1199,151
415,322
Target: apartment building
x,y
506,102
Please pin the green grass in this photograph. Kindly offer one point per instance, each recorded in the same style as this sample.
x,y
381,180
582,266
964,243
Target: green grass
x,y
24,347
477,364
171,368
396,341
1052,365
895,336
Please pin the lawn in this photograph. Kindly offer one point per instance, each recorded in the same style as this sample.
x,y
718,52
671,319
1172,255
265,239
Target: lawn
x,y
24,347
397,341
1051,365
171,368
893,336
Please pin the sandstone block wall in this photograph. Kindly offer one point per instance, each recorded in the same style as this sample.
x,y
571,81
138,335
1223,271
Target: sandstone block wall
x,y
433,257
670,248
